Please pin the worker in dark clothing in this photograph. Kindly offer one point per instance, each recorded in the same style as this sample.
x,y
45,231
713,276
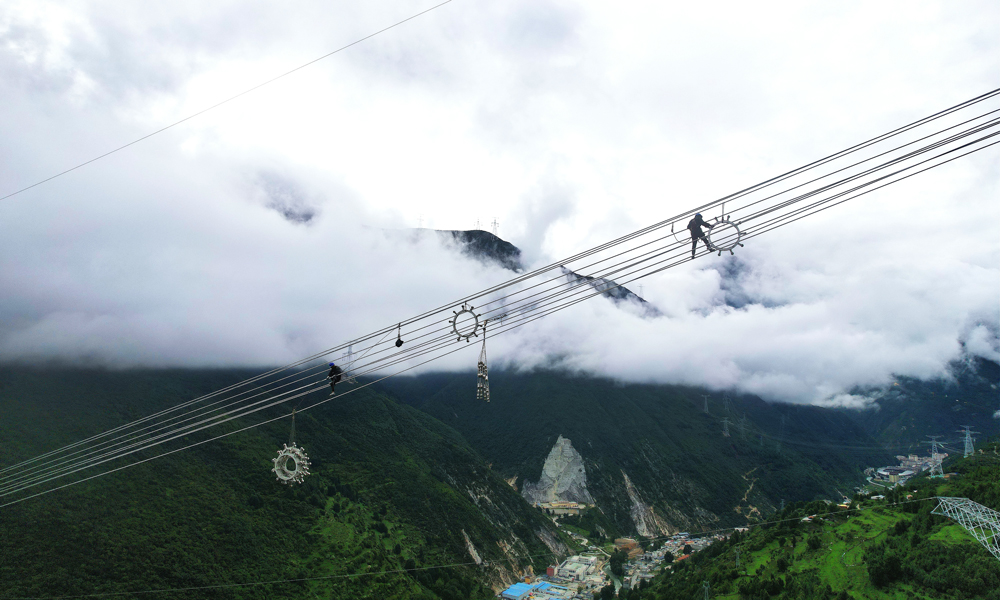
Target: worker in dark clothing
x,y
695,226
334,377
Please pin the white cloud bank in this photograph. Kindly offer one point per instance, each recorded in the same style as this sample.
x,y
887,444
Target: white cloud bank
x,y
238,238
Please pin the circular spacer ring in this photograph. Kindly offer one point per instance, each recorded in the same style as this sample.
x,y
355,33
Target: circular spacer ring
x,y
291,465
725,235
465,333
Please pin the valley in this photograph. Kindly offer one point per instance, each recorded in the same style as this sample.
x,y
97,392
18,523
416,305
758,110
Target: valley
x,y
407,475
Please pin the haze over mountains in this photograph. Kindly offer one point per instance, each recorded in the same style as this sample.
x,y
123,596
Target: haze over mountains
x,y
416,471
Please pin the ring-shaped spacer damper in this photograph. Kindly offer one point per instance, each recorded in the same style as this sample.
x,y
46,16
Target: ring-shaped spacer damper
x,y
291,465
725,235
464,332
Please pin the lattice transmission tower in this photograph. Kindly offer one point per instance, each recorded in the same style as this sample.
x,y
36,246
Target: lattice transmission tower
x,y
982,522
935,456
969,447
742,424
349,371
725,427
705,396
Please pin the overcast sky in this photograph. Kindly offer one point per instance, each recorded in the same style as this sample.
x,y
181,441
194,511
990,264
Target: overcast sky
x,y
251,235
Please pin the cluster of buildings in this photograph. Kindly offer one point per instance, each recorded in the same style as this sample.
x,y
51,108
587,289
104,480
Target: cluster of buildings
x,y
561,507
539,590
645,565
908,467
578,577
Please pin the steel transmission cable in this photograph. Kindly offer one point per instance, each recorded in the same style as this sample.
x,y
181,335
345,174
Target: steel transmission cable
x,y
603,291
808,182
408,358
226,101
728,198
503,329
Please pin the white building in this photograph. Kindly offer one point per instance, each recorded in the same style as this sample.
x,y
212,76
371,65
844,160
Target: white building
x,y
576,568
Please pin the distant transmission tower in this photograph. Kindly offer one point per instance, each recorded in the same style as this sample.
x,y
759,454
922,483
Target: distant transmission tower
x,y
743,427
969,448
478,225
708,589
640,290
495,226
725,427
420,221
737,558
935,456
349,374
705,396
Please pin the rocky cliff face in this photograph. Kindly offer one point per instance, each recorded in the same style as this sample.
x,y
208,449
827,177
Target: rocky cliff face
x,y
647,522
563,477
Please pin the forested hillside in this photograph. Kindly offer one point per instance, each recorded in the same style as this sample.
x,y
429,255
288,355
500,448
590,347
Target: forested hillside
x,y
674,453
911,409
391,488
891,548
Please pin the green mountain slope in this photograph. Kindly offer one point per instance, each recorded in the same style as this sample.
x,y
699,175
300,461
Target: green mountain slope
x,y
660,437
877,550
392,488
912,409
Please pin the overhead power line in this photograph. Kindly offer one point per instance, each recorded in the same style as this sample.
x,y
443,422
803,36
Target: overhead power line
x,y
226,101
529,297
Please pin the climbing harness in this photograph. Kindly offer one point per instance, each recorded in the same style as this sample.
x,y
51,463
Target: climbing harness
x,y
292,463
462,331
483,378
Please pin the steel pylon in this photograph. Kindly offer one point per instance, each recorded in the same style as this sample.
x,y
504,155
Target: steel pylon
x,y
982,522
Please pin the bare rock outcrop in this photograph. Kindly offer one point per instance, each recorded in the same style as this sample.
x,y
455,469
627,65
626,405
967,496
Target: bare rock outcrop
x,y
647,522
563,477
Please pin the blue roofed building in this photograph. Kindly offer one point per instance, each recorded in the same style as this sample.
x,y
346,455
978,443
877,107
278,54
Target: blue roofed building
x,y
523,591
518,591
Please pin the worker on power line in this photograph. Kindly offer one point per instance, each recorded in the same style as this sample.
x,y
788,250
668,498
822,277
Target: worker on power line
x,y
695,226
334,377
